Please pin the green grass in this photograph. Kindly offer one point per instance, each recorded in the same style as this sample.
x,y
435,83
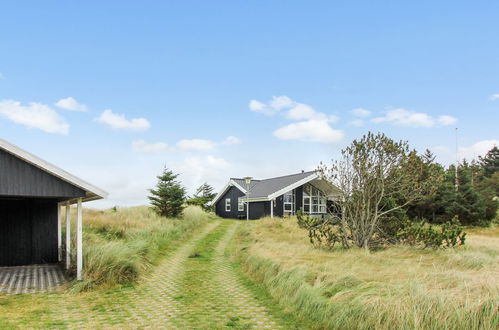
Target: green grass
x,y
121,245
396,288
287,318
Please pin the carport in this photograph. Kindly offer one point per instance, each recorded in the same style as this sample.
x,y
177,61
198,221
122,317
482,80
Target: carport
x,y
33,196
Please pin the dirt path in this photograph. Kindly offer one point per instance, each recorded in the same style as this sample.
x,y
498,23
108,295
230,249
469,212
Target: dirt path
x,y
195,287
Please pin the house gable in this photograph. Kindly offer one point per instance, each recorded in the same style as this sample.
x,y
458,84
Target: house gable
x,y
233,194
91,191
19,178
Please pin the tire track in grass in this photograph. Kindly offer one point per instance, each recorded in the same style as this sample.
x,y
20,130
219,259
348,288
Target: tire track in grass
x,y
213,297
149,304
195,287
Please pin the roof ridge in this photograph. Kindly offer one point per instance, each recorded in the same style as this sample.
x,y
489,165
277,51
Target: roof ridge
x,y
276,177
284,176
243,179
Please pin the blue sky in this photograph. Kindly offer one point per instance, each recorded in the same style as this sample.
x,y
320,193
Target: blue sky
x,y
113,91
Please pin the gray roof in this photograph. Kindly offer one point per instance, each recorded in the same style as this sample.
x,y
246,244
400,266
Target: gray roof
x,y
263,188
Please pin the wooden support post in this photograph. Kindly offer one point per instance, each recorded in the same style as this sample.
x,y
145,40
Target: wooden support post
x,y
79,241
59,233
271,208
68,235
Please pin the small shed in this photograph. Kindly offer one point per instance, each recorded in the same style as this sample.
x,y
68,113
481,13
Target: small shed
x,y
33,194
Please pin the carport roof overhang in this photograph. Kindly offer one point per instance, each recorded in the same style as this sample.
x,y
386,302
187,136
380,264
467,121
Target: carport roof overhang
x,y
91,192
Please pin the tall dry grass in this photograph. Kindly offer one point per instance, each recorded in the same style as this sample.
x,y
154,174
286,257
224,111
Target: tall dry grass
x,y
123,244
397,288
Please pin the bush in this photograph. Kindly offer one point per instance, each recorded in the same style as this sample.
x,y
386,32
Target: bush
x,y
321,231
448,235
326,232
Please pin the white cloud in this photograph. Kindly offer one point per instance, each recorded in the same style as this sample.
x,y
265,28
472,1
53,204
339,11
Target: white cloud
x,y
2,76
260,107
403,117
255,105
34,115
150,148
117,121
294,110
357,122
477,149
359,112
446,120
196,145
207,161
303,112
194,171
494,97
311,130
281,102
70,103
230,140
311,125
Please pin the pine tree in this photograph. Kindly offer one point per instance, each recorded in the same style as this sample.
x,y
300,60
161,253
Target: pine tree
x,y
467,203
205,191
204,194
169,196
490,163
425,207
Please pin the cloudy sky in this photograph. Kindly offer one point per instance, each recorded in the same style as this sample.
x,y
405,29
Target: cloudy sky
x,y
112,91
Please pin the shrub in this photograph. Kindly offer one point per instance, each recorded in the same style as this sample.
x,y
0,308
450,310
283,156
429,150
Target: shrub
x,y
326,232
450,234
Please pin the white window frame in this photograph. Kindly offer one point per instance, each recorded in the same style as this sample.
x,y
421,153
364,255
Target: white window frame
x,y
227,205
319,207
306,195
240,204
292,203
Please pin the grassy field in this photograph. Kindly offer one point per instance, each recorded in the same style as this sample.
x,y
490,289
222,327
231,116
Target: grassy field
x,y
122,244
120,247
395,288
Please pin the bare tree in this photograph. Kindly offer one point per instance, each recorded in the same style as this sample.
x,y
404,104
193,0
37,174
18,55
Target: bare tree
x,y
376,176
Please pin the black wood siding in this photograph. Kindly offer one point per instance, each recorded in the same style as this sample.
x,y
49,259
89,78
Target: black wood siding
x,y
259,210
233,193
279,206
28,231
19,178
299,198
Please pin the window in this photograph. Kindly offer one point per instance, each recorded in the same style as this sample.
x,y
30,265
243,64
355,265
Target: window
x,y
314,200
227,205
240,204
322,205
306,204
289,202
306,199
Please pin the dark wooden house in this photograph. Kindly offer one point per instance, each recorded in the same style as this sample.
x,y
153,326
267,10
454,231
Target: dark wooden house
x,y
279,196
32,194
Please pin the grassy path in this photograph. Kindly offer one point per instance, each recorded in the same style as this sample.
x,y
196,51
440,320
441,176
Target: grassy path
x,y
212,295
196,286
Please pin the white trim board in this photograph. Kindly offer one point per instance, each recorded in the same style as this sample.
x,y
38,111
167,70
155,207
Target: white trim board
x,y
92,191
293,186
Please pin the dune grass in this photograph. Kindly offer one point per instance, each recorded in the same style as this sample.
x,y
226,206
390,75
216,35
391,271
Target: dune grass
x,y
396,288
122,244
